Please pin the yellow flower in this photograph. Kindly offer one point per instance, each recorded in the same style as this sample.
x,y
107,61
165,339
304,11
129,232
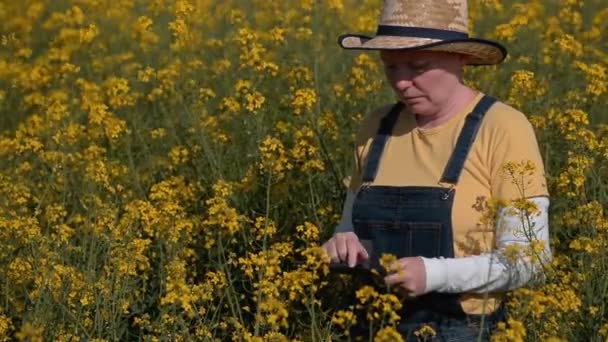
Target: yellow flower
x,y
555,339
336,5
6,327
520,174
300,76
303,33
277,35
264,228
118,92
604,330
308,232
344,319
29,332
219,212
254,101
387,261
274,313
511,331
143,34
388,334
89,33
205,94
72,17
589,214
158,133
303,100
230,105
593,310
178,155
524,85
366,294
570,119
426,333
570,45
572,179
274,157
586,244
596,78
305,151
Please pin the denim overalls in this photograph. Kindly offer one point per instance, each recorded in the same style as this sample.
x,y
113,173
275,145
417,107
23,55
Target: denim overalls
x,y
415,220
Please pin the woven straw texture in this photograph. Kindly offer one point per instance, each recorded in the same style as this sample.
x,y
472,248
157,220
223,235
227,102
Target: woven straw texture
x,y
440,14
450,15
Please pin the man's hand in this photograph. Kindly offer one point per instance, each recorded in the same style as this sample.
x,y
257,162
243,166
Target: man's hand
x,y
408,273
346,247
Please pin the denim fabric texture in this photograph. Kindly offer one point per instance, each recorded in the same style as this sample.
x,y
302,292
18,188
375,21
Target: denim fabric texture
x,y
470,328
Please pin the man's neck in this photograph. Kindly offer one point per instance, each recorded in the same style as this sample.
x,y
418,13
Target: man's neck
x,y
453,105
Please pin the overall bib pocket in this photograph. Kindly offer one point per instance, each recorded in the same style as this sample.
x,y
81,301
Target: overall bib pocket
x,y
408,240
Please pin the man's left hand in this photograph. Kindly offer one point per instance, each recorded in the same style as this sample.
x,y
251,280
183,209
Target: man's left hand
x,y
408,273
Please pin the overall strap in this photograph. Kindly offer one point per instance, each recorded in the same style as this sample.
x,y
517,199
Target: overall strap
x,y
375,151
453,169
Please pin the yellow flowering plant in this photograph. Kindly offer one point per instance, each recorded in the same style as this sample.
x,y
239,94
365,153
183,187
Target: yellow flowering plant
x,y
169,168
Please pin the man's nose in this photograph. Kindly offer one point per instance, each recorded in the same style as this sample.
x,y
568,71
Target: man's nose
x,y
402,78
402,83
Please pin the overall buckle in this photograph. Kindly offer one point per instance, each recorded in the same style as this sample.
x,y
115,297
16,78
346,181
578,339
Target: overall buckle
x,y
449,188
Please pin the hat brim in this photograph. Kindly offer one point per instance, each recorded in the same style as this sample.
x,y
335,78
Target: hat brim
x,y
481,51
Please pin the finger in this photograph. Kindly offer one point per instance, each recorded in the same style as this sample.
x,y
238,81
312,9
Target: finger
x,y
400,281
362,256
353,252
399,265
341,247
393,279
363,252
331,250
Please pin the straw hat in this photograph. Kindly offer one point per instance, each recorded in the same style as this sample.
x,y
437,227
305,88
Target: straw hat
x,y
439,25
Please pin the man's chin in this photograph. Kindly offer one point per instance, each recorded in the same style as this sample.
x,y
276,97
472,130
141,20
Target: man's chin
x,y
416,106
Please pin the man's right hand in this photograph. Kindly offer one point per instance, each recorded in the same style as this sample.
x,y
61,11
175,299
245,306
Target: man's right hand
x,y
346,247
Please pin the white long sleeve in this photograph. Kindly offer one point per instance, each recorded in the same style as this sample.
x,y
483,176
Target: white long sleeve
x,y
496,271
493,271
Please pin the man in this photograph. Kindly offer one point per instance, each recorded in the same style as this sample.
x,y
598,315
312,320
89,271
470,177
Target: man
x,y
425,166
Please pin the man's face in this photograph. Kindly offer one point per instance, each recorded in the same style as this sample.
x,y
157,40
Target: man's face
x,y
423,80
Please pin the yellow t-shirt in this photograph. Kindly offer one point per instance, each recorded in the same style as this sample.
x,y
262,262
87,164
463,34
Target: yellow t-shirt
x,y
418,157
